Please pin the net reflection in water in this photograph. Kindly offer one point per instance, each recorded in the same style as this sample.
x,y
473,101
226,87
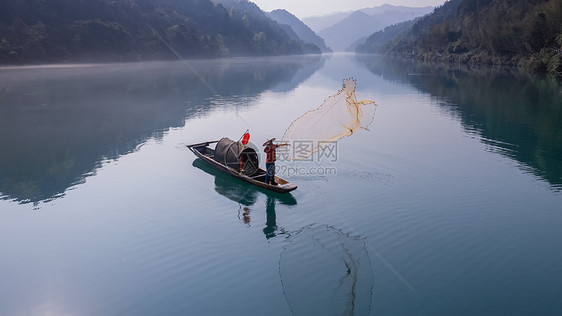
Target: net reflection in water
x,y
326,272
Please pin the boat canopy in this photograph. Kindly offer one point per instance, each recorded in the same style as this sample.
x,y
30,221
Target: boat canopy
x,y
235,155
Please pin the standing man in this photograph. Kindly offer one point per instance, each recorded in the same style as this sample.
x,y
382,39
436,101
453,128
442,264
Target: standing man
x,y
270,160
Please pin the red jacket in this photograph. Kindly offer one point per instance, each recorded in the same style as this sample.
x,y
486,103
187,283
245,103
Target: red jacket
x,y
270,151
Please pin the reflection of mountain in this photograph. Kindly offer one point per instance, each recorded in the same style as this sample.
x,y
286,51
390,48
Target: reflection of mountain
x,y
303,73
516,115
58,124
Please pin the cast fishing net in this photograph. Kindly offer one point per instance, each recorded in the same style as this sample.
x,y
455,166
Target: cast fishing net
x,y
339,116
326,272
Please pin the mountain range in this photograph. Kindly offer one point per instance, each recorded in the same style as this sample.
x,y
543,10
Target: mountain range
x,y
39,31
512,32
302,30
347,28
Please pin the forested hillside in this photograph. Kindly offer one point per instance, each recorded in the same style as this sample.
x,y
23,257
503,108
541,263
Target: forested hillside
x,y
382,41
302,30
38,31
490,31
253,12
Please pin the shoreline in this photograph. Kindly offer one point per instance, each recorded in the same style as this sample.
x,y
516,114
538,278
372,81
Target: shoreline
x,y
547,62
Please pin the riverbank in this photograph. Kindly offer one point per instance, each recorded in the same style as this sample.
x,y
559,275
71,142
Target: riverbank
x,y
548,61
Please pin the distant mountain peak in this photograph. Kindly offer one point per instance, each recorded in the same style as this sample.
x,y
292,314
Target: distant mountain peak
x,y
282,11
361,23
358,14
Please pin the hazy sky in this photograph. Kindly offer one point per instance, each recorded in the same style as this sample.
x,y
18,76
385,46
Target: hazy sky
x,y
306,8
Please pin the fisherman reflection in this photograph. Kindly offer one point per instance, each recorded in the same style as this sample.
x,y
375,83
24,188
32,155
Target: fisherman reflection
x,y
270,229
271,218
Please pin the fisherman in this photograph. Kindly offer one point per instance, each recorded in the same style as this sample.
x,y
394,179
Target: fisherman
x,y
270,160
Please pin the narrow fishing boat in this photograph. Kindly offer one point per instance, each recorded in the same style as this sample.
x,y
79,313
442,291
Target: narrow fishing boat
x,y
238,161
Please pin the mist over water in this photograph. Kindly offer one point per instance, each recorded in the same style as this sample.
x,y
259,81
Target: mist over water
x,y
450,204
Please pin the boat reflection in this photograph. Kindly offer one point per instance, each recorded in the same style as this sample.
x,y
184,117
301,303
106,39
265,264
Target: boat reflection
x,y
246,195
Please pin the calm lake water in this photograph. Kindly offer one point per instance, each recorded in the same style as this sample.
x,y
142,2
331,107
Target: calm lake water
x,y
450,205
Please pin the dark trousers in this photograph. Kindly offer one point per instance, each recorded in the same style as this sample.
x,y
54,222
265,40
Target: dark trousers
x,y
270,172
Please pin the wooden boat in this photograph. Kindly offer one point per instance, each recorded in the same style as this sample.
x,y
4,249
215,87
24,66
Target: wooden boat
x,y
207,154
